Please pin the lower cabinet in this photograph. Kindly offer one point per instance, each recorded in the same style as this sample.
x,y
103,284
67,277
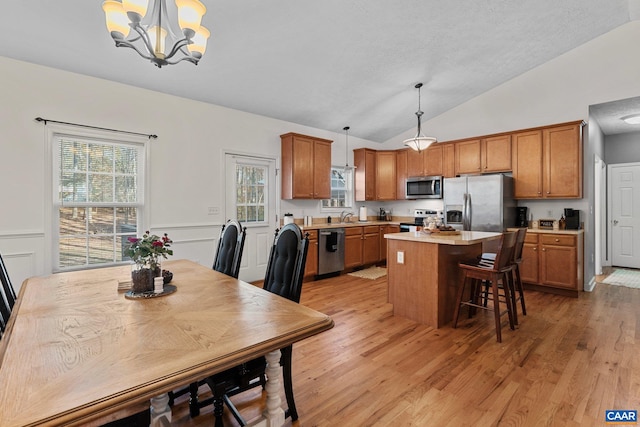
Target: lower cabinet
x,y
311,266
361,246
371,244
386,229
553,262
353,247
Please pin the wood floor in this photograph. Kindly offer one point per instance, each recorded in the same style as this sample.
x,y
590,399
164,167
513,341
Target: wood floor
x,y
568,361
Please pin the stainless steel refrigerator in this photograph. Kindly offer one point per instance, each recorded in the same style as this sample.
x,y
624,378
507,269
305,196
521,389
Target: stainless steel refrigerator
x,y
479,202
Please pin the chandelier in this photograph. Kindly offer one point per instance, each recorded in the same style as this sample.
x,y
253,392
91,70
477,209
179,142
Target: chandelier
x,y
152,29
419,142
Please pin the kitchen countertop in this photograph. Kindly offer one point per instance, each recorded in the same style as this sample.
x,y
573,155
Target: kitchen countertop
x,y
464,238
346,224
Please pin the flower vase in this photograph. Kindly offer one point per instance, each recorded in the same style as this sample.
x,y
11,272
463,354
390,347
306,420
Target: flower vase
x,y
142,276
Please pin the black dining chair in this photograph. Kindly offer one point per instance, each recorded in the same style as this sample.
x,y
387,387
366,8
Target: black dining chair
x,y
230,248
285,271
7,296
227,261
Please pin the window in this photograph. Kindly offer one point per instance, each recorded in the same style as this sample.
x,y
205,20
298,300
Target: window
x,y
251,203
98,200
341,189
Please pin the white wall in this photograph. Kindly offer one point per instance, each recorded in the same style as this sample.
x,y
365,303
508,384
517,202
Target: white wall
x,y
623,148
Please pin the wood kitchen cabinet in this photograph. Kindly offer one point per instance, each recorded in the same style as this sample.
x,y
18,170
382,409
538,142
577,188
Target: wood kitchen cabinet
x,y
364,159
401,173
448,160
386,229
371,244
487,155
353,244
428,162
385,175
361,246
547,162
306,167
311,266
553,262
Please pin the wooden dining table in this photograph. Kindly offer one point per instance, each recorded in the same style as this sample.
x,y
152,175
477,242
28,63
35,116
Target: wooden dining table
x,y
76,351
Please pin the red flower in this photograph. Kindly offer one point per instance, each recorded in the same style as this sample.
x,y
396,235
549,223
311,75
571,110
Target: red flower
x,y
133,239
157,243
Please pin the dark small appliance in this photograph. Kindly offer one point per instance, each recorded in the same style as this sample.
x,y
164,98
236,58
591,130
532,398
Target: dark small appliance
x,y
521,216
572,219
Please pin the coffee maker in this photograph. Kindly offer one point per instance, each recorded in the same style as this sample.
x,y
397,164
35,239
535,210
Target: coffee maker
x,y
521,216
572,219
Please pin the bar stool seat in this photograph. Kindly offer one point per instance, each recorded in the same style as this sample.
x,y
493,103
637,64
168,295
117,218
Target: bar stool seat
x,y
477,271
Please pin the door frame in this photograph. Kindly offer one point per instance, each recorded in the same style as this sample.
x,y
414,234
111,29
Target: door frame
x,y
610,208
276,188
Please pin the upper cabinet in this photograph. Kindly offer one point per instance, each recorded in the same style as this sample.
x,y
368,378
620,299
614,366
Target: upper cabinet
x,y
386,175
486,155
306,167
364,159
429,162
375,175
547,162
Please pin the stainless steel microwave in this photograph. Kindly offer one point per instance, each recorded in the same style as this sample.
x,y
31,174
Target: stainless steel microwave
x,y
424,187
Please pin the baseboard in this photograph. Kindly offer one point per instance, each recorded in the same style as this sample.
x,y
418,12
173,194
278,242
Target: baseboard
x,y
589,287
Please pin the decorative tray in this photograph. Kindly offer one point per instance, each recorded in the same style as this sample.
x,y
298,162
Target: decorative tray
x,y
445,232
168,289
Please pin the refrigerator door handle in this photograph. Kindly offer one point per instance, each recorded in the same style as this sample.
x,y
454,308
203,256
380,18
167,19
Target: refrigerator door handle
x,y
464,211
469,212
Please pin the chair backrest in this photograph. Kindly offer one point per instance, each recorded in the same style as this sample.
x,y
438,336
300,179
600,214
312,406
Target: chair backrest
x,y
504,255
7,296
287,260
230,248
517,251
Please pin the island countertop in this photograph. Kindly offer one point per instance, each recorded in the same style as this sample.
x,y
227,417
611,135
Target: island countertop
x,y
464,238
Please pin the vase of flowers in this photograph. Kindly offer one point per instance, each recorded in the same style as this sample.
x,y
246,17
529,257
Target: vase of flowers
x,y
147,253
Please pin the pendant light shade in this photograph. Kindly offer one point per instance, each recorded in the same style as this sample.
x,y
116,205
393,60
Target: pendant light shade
x,y
420,141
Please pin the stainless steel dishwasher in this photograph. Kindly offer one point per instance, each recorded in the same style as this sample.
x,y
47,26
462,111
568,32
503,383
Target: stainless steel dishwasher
x,y
331,251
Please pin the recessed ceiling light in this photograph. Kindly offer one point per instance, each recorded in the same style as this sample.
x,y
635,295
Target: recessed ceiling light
x,y
633,119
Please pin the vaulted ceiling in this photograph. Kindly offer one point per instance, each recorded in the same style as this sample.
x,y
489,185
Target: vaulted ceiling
x,y
328,63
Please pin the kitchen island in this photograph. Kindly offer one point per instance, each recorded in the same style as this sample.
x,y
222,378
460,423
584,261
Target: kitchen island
x,y
423,274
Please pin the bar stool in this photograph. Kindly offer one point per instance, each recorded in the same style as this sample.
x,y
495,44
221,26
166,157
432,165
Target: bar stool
x,y
517,290
477,271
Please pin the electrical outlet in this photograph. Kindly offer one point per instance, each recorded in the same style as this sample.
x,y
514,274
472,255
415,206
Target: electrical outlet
x,y
213,210
400,255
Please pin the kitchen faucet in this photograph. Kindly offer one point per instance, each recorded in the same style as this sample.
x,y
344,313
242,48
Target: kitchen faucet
x,y
344,215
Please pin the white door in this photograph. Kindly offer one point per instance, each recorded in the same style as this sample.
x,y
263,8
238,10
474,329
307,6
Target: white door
x,y
624,222
250,188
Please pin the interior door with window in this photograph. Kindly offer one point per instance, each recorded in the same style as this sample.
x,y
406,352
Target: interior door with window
x,y
625,214
251,199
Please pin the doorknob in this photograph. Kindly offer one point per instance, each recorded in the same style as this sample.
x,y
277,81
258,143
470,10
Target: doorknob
x,y
615,222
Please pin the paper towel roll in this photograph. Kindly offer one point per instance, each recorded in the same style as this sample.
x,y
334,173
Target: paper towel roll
x,y
363,213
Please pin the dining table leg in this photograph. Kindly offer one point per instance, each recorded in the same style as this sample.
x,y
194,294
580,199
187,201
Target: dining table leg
x,y
273,416
160,411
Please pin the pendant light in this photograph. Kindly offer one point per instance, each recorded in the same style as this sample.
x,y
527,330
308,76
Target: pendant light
x,y
346,154
419,142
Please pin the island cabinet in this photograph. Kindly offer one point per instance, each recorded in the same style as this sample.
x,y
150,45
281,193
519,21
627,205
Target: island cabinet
x,y
486,155
311,266
306,167
547,162
364,159
553,262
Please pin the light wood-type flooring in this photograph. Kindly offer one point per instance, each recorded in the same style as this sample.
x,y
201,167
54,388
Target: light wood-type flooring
x,y
568,361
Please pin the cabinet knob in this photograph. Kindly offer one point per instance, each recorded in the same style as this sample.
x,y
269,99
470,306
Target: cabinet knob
x,y
557,240
544,250
548,192
535,249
